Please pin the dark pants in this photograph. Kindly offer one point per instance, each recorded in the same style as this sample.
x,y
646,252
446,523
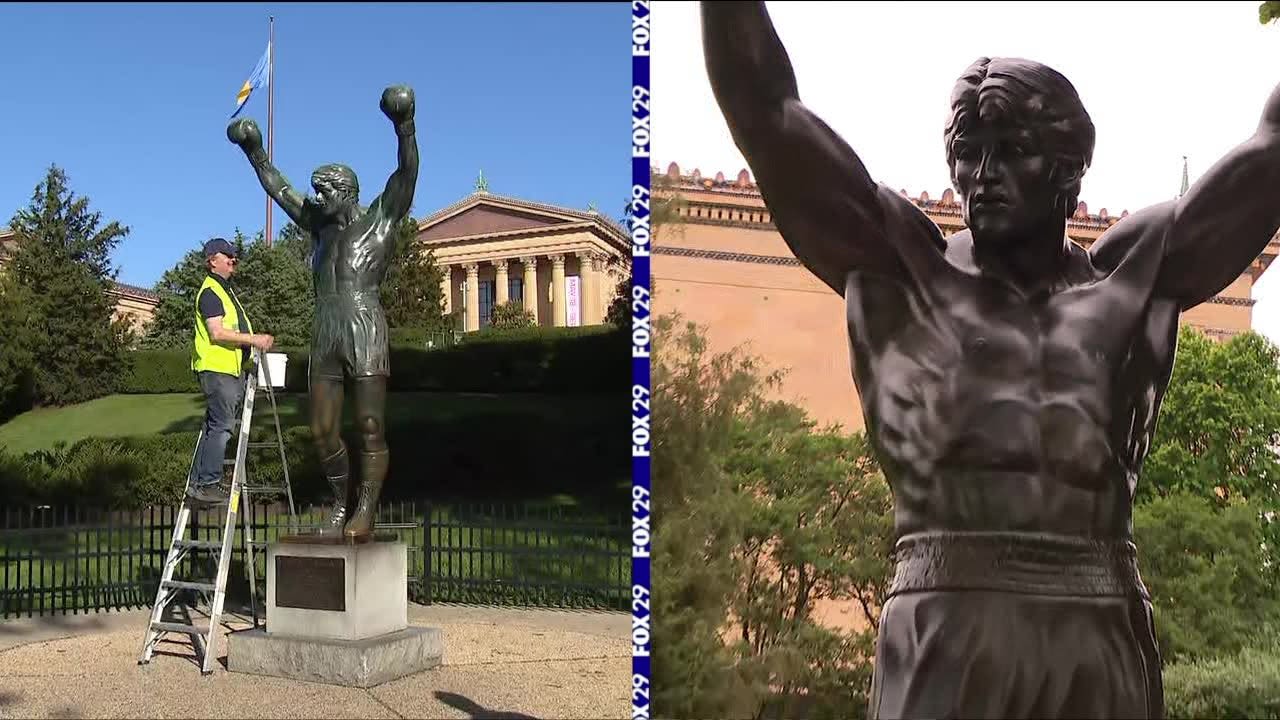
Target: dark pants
x,y
222,402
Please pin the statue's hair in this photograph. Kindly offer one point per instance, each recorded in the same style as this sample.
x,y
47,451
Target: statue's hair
x,y
1024,93
341,177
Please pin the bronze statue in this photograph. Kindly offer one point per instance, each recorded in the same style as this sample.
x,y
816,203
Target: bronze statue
x,y
352,247
1010,379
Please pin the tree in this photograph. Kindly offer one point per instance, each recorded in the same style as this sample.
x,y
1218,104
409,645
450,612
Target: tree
x,y
696,399
618,313
273,283
1219,423
758,515
818,528
1269,12
63,261
170,326
275,286
1204,567
411,292
17,357
511,316
295,243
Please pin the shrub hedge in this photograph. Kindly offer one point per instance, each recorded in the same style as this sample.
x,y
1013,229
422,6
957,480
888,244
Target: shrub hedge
x,y
587,359
506,453
1244,685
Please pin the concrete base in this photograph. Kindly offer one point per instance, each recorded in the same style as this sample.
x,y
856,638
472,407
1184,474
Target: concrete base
x,y
353,663
369,583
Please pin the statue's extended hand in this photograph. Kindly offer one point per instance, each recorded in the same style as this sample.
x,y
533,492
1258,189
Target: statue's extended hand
x,y
244,132
397,103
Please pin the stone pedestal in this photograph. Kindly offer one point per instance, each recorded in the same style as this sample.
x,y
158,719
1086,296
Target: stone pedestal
x,y
336,613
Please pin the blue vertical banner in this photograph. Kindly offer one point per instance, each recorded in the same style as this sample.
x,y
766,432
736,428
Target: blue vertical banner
x,y
641,337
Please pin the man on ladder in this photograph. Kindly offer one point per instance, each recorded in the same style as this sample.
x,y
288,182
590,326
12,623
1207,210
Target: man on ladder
x,y
222,335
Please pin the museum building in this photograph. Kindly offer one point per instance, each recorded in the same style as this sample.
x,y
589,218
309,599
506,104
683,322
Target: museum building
x,y
561,265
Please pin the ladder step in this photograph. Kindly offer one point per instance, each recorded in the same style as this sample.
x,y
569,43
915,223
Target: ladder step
x,y
263,488
200,544
261,445
184,585
179,628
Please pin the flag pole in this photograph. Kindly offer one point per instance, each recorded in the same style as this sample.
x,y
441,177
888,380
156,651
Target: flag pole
x,y
271,109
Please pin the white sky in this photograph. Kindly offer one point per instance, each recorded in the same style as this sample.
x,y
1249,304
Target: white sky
x,y
1160,80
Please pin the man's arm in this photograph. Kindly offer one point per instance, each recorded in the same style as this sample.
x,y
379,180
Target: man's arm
x,y
397,198
235,338
244,132
211,310
821,196
1226,219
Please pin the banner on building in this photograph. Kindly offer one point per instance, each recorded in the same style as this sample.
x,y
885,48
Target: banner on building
x,y
572,301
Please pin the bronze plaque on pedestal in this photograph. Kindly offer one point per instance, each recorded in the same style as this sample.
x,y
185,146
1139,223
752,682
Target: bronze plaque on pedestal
x,y
311,583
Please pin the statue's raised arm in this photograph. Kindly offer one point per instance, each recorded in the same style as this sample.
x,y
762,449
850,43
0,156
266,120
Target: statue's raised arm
x,y
824,202
398,105
1226,218
244,133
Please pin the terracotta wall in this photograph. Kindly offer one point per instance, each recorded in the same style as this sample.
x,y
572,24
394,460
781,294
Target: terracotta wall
x,y
724,267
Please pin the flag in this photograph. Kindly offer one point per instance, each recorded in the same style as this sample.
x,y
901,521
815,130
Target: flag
x,y
261,74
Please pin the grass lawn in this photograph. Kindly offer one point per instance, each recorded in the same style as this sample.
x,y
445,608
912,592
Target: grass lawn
x,y
123,415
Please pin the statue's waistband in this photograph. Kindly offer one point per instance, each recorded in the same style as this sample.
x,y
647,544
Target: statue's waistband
x,y
1033,563
359,298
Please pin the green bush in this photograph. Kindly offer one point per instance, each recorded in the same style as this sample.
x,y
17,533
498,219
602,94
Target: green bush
x,y
511,316
158,371
1204,566
525,360
551,360
113,473
1244,685
132,472
510,453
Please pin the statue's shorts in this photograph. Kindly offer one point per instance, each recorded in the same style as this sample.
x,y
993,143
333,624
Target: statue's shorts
x,y
1016,625
349,337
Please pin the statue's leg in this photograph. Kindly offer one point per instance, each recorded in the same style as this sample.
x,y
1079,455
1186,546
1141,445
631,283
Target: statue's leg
x,y
371,400
326,433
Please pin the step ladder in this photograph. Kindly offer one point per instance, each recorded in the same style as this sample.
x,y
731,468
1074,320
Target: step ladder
x,y
211,592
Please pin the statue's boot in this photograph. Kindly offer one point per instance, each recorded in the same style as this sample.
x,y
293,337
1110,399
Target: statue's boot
x,y
373,466
337,470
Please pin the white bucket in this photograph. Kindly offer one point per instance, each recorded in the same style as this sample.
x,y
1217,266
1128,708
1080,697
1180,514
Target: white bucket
x,y
275,364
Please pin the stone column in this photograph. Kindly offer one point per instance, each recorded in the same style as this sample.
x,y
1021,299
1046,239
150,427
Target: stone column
x,y
587,279
557,291
473,296
531,285
446,287
500,271
604,286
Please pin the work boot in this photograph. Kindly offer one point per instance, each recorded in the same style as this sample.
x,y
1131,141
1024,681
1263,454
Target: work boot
x,y
208,494
374,471
337,472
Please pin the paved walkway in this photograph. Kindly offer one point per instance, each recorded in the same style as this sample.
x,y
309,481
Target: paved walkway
x,y
498,663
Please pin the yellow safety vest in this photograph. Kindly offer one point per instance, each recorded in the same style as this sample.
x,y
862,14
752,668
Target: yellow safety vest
x,y
208,355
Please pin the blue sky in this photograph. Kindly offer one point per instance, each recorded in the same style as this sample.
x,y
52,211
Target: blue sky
x,y
133,102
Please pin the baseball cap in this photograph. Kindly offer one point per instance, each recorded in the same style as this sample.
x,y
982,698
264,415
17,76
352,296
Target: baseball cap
x,y
219,245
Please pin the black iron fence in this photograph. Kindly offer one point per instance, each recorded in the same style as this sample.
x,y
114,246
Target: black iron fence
x,y
68,560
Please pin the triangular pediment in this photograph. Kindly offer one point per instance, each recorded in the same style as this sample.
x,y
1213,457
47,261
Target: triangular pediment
x,y
481,215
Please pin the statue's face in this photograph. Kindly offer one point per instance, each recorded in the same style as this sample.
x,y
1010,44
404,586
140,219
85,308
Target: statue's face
x,y
328,200
1003,177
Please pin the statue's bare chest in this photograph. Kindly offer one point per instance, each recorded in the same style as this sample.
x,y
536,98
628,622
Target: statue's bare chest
x,y
976,374
350,253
